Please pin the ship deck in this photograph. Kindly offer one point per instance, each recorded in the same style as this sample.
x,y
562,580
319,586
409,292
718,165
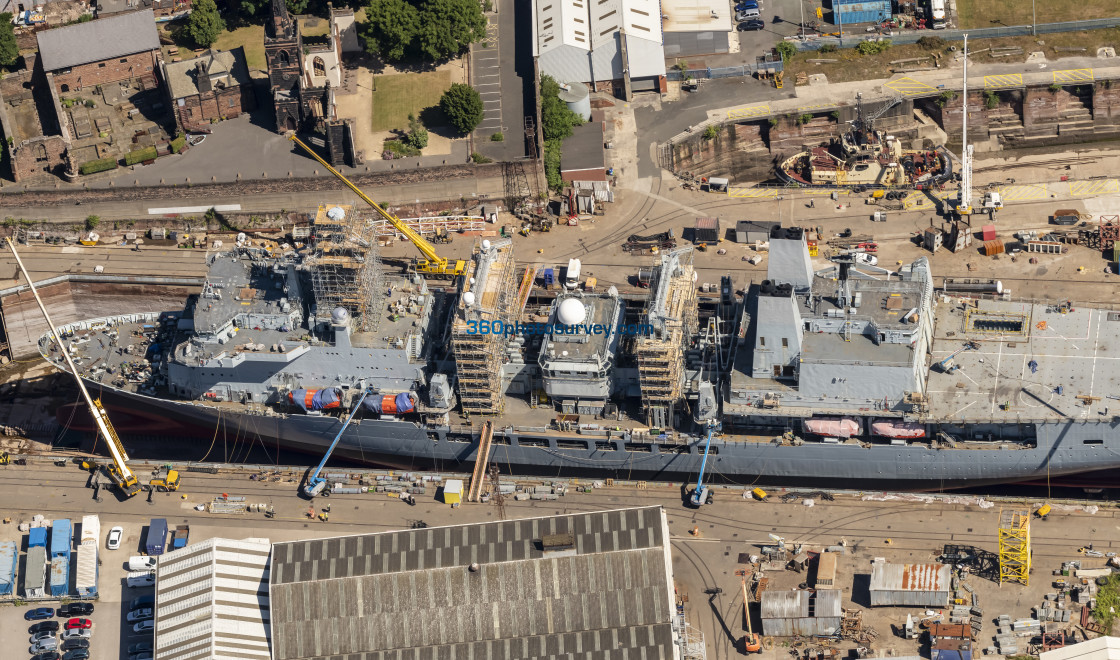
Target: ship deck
x,y
1078,351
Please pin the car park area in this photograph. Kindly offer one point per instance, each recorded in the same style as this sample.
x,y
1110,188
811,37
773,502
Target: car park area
x,y
109,634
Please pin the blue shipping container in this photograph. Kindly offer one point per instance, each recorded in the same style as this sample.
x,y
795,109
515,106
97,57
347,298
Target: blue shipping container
x,y
61,538
156,540
8,559
861,12
60,576
37,537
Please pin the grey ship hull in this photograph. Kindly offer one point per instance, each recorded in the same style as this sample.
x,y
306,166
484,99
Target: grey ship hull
x,y
1060,450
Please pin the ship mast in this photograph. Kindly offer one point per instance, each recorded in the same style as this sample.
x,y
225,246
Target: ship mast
x,y
964,198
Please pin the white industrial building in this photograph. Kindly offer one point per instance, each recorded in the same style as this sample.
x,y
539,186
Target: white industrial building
x,y
1100,648
599,41
696,27
212,601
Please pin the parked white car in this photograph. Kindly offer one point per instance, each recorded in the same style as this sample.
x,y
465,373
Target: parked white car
x,y
142,614
77,633
867,259
114,540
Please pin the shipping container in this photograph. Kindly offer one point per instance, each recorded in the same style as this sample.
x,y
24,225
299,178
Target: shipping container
x,y
156,541
180,537
91,529
60,576
37,537
862,11
35,573
707,230
826,569
453,491
62,535
988,232
9,557
85,581
910,585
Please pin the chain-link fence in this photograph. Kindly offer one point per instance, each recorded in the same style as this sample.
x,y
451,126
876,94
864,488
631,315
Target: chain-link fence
x,y
910,37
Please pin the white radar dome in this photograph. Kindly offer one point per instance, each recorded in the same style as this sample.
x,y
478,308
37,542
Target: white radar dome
x,y
571,312
485,244
468,298
336,213
339,314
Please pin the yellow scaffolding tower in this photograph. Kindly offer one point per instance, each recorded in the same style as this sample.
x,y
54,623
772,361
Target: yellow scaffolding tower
x,y
1014,547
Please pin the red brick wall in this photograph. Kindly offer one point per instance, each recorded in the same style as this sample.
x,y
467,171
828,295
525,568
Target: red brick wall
x,y
199,109
121,68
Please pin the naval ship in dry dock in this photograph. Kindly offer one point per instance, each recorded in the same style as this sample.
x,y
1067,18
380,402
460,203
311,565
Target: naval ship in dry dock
x,y
839,375
863,157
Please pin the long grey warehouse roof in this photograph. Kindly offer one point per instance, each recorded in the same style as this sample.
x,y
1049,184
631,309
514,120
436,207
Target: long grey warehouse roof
x,y
412,594
98,40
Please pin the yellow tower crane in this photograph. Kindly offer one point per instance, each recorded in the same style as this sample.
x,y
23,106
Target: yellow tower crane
x,y
432,264
118,472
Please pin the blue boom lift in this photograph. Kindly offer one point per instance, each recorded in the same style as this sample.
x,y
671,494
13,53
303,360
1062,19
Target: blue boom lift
x,y
702,494
316,484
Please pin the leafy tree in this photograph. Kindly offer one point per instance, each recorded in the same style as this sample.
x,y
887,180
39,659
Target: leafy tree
x,y
447,27
205,23
417,134
297,6
9,51
711,132
251,11
92,222
557,119
552,154
786,49
463,106
391,27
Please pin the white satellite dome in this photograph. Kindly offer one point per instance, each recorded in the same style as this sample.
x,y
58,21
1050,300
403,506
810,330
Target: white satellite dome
x,y
336,213
340,315
571,312
485,244
468,298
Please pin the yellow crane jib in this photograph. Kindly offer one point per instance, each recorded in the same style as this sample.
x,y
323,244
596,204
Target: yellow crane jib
x,y
432,264
119,472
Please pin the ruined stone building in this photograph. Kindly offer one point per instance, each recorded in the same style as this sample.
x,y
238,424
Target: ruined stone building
x,y
303,79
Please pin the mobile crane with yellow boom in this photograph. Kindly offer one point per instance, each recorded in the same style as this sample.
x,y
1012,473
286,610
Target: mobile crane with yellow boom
x,y
119,472
432,263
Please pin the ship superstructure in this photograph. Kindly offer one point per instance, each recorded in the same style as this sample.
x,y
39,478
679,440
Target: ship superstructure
x,y
578,355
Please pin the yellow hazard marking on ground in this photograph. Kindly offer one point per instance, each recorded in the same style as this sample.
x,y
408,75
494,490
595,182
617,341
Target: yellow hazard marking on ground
x,y
743,193
1073,76
908,85
1005,80
1091,188
818,106
749,111
1023,193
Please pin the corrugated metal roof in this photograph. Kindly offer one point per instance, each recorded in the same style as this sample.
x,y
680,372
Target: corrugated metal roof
x,y
386,594
103,39
796,604
910,577
87,567
9,557
212,601
35,573
707,223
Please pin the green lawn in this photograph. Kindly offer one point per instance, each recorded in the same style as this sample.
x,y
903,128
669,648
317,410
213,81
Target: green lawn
x,y
321,29
398,95
252,38
997,13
